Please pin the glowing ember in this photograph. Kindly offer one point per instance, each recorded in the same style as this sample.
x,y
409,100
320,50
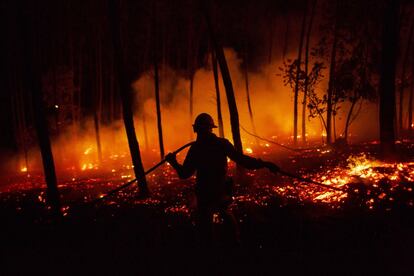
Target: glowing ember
x,y
369,182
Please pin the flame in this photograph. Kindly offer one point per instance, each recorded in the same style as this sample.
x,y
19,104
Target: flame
x,y
359,163
87,151
23,169
359,166
89,166
249,150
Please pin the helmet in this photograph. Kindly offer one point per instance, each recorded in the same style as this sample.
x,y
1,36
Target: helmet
x,y
205,121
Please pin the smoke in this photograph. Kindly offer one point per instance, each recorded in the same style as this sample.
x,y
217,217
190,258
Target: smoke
x,y
272,103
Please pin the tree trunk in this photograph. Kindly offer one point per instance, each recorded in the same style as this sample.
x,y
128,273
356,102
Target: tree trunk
x,y
331,85
126,97
305,91
97,136
191,103
403,72
225,73
32,70
286,38
271,33
387,79
156,85
299,60
218,100
98,100
192,65
410,108
144,126
348,119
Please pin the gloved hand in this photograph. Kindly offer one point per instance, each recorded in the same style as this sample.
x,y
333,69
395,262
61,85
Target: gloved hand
x,y
272,167
171,157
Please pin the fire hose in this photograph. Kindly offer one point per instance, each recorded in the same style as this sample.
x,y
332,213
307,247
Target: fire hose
x,y
275,143
129,183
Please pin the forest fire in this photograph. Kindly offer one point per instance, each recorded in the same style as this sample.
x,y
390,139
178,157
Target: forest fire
x,y
310,102
363,179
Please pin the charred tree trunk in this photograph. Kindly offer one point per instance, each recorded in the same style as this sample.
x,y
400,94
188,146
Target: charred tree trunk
x,y
403,73
144,126
157,84
225,73
218,99
191,96
33,80
305,89
286,38
296,92
126,97
97,136
410,108
331,84
192,56
271,33
387,79
410,103
158,107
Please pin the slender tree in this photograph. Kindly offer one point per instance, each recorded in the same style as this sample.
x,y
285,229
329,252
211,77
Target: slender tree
x,y
410,101
144,126
403,81
98,98
387,79
32,51
228,85
192,63
157,83
125,93
218,99
298,70
305,89
286,36
410,104
331,83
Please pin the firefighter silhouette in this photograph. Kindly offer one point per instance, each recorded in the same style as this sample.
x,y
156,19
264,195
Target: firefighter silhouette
x,y
207,157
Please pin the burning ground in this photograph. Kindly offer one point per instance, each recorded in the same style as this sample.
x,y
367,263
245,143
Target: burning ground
x,y
372,213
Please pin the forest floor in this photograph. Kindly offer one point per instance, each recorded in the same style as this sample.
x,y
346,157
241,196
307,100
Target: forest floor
x,y
286,226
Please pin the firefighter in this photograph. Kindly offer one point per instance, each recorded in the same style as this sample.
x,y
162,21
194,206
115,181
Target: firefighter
x,y
208,158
